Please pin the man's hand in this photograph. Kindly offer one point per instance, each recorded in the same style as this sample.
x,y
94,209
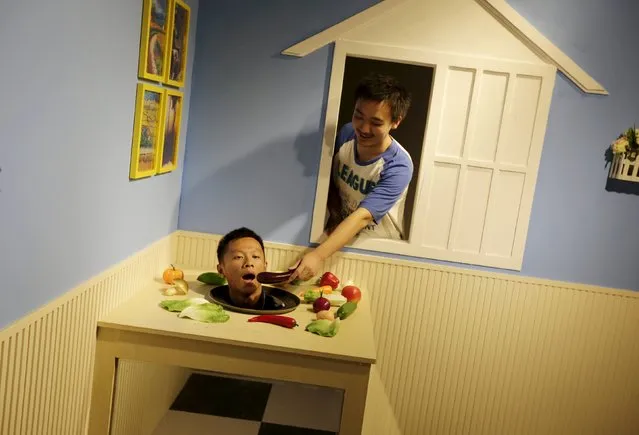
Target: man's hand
x,y
345,231
307,267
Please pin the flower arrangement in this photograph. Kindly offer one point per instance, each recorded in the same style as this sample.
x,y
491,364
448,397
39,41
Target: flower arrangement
x,y
626,145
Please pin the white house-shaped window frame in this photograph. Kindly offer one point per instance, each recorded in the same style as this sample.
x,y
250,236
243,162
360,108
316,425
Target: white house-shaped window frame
x,y
485,128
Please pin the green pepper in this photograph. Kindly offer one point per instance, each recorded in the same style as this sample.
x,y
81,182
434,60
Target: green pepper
x,y
346,310
324,327
212,278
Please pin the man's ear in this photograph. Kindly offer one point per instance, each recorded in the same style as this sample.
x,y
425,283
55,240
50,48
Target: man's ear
x,y
220,269
395,124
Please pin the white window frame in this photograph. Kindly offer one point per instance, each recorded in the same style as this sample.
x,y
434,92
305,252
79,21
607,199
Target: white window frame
x,y
441,62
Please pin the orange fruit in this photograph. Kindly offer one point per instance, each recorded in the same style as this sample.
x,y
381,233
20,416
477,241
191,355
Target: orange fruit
x,y
171,274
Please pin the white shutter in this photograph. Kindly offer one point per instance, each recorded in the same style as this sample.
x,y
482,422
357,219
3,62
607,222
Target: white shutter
x,y
481,162
483,142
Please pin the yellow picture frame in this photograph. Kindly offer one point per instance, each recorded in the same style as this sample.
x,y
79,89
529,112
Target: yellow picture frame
x,y
178,43
168,152
156,22
147,130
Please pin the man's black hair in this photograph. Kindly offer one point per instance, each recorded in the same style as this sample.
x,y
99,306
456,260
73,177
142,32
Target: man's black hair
x,y
238,233
381,87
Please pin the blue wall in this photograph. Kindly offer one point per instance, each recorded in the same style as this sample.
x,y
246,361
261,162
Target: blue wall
x,y
67,208
256,121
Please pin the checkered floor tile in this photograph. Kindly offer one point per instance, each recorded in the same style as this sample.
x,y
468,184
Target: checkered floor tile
x,y
211,404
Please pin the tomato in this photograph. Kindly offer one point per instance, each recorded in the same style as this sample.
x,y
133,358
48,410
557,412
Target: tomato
x,y
352,293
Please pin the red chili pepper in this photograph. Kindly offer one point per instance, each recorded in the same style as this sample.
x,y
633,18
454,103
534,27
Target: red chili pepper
x,y
329,279
287,322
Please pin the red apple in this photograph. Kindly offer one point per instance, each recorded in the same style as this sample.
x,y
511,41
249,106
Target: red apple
x,y
352,293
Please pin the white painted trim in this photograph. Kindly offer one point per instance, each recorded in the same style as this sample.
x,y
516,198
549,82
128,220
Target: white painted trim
x,y
330,131
499,9
540,45
333,33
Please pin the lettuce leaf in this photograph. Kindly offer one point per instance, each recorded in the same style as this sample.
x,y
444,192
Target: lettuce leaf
x,y
324,327
208,313
179,305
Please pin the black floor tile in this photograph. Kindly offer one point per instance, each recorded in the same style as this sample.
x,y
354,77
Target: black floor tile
x,y
278,429
224,397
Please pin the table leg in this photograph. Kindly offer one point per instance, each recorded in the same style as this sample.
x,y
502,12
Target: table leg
x,y
354,404
104,373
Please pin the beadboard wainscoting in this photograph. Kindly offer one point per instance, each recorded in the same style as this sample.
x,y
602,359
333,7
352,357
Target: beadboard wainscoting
x,y
464,351
459,351
46,359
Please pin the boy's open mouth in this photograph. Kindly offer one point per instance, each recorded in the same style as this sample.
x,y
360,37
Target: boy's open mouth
x,y
248,277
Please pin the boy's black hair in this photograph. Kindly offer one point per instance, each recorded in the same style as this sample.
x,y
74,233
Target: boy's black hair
x,y
238,233
381,87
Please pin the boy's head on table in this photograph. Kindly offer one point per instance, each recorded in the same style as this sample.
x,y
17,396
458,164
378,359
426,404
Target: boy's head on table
x,y
240,256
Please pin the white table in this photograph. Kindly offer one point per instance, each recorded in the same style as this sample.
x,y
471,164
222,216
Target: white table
x,y
140,330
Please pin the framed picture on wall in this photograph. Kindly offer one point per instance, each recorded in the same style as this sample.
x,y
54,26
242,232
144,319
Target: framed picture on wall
x,y
154,40
172,120
147,130
178,42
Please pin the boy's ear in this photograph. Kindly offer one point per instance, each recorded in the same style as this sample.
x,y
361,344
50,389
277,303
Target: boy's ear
x,y
395,124
220,269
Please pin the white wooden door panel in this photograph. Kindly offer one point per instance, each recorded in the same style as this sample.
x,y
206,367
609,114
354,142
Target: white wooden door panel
x,y
482,142
471,217
443,184
491,132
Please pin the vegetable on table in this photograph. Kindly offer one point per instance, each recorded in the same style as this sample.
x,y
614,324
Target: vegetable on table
x,y
352,293
172,291
326,314
208,313
336,299
212,278
321,304
329,279
346,310
172,273
180,287
179,305
285,321
325,289
323,327
197,309
311,296
274,277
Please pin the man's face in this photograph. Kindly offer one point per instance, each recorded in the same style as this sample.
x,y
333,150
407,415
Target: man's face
x,y
372,123
243,260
